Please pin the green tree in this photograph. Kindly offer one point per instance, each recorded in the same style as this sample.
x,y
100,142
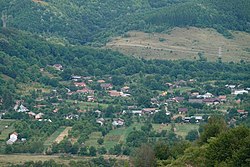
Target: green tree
x,y
161,151
143,156
192,135
92,151
213,128
231,147
100,141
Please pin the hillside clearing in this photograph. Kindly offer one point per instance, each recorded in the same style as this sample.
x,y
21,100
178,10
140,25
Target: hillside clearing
x,y
63,134
183,43
58,135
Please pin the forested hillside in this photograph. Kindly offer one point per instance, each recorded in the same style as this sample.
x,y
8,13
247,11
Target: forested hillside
x,y
95,21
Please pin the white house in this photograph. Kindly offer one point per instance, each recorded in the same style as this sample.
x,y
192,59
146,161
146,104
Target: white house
x,y
239,92
205,96
118,122
22,108
39,116
13,138
100,121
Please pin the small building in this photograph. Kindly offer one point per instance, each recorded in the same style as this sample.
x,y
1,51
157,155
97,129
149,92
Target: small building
x,y
223,98
242,111
39,116
182,110
148,110
106,86
125,89
178,99
101,121
85,91
80,84
239,92
12,139
118,122
114,93
31,114
212,101
101,81
195,101
58,67
205,96
22,108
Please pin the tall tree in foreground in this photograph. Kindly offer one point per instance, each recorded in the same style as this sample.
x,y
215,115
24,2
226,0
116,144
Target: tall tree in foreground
x,y
143,156
213,128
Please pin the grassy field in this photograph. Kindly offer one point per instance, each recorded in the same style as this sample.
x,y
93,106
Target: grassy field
x,y
54,136
26,88
184,43
7,160
6,131
119,135
181,129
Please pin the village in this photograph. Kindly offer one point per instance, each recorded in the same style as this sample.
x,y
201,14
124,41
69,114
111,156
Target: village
x,y
185,102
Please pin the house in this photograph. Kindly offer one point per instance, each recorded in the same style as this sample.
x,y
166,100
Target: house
x,y
115,93
22,108
13,138
132,107
106,86
101,81
31,114
149,110
195,101
72,116
100,121
55,110
90,98
139,112
85,91
239,92
223,98
118,122
80,84
238,101
39,115
98,112
178,99
205,96
125,89
212,101
86,78
186,119
197,118
17,105
242,111
182,110
195,94
58,67
75,77
230,86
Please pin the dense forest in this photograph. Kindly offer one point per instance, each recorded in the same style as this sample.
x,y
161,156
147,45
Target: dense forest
x,y
94,22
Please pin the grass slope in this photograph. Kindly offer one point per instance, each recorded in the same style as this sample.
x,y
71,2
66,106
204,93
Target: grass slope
x,y
184,43
54,136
